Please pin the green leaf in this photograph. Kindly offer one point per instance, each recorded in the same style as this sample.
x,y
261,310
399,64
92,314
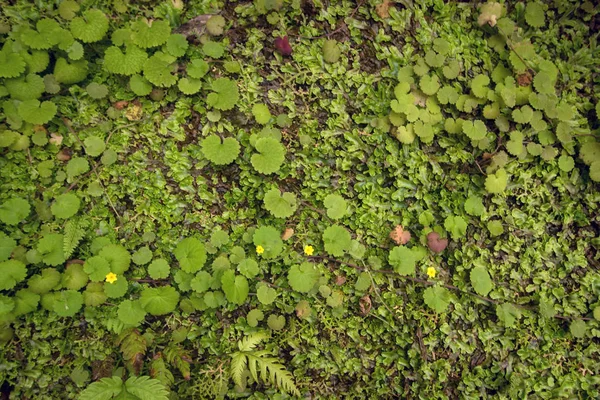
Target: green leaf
x,y
104,389
225,94
474,206
129,63
475,130
37,113
7,245
213,49
495,227
452,70
25,302
145,388
479,86
281,205
65,206
97,268
276,322
456,225
116,289
91,27
189,86
191,255
566,163
140,85
508,314
437,298
67,303
331,51
235,287
429,84
197,68
51,246
496,183
522,115
481,281
201,282
70,73
159,301
261,113
269,238
77,166
159,69
337,240
302,278
117,256
44,282
534,15
13,272
219,238
220,151
363,283
93,295
96,90
215,25
403,260
147,34
68,9
177,44
74,277
159,269
265,294
14,210
271,155
515,145
29,87
248,267
131,312
94,146
336,205
578,328
254,316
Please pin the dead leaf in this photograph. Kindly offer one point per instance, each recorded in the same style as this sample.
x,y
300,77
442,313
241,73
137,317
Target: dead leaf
x,y
303,309
365,305
524,79
134,112
194,26
56,139
340,280
399,235
288,233
119,105
383,9
64,154
435,243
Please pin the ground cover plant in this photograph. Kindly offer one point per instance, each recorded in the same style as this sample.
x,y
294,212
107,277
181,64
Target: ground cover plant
x,y
299,199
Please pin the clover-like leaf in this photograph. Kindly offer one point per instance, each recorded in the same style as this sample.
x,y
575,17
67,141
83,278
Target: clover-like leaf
x,y
220,151
177,44
129,63
437,298
578,328
147,34
271,155
69,73
248,267
131,312
14,210
261,113
566,163
302,278
336,205
337,240
254,316
265,294
197,68
47,35
481,281
452,70
429,84
29,87
479,85
159,69
34,112
515,145
97,268
91,27
189,86
7,245
140,85
403,260
13,272
496,183
191,254
118,257
142,256
11,64
65,205
96,90
522,115
281,205
235,287
225,94
159,301
215,25
269,239
475,130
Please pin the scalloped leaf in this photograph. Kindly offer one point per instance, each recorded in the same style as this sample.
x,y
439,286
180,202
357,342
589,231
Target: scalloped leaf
x,y
159,69
403,260
129,63
14,210
13,272
225,94
191,254
146,34
37,113
235,287
302,278
270,157
281,205
437,298
481,281
220,151
159,301
91,27
337,240
65,206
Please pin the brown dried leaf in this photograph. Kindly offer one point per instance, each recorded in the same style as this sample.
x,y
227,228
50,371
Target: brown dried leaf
x,y
435,243
340,280
119,105
288,233
64,154
194,26
383,9
365,305
399,235
55,139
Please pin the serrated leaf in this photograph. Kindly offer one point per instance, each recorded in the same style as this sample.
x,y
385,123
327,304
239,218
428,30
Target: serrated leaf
x,y
65,206
131,312
281,205
104,389
13,272
302,278
508,314
271,155
437,298
337,240
265,294
14,210
403,260
496,183
336,206
159,301
225,94
191,255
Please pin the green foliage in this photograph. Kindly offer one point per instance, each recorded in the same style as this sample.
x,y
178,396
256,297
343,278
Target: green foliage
x,y
146,34
508,314
91,27
403,260
270,156
191,255
159,269
456,225
336,206
302,278
437,298
66,205
159,301
534,14
496,183
281,205
134,388
128,63
215,25
269,239
51,248
37,113
261,113
14,210
224,94
481,281
220,151
331,51
13,272
337,240
158,69
235,287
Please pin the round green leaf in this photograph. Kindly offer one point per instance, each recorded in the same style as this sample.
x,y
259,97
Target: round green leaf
x,y
65,206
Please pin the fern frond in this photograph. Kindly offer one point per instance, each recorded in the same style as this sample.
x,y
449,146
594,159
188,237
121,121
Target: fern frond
x,y
74,232
250,342
180,359
146,388
238,365
272,371
133,346
160,371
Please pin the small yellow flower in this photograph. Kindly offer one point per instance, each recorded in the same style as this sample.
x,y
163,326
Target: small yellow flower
x,y
111,278
431,272
260,249
309,250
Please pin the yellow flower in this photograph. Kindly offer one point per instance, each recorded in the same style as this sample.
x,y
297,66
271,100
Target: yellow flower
x,y
309,250
111,278
260,249
431,272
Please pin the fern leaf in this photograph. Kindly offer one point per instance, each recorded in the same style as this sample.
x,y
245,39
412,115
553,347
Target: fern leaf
x,y
104,389
146,389
133,346
160,371
250,342
180,359
278,375
73,234
238,365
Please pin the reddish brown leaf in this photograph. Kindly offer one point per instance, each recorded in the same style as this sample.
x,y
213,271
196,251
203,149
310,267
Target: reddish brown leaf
x,y
340,280
524,79
282,45
365,305
399,235
64,154
119,105
383,9
288,233
435,243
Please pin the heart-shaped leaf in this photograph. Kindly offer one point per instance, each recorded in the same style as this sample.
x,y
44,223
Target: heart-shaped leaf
x,y
436,243
220,151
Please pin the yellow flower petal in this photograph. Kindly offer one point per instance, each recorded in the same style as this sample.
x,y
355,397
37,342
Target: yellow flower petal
x,y
309,250
259,249
111,277
431,272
